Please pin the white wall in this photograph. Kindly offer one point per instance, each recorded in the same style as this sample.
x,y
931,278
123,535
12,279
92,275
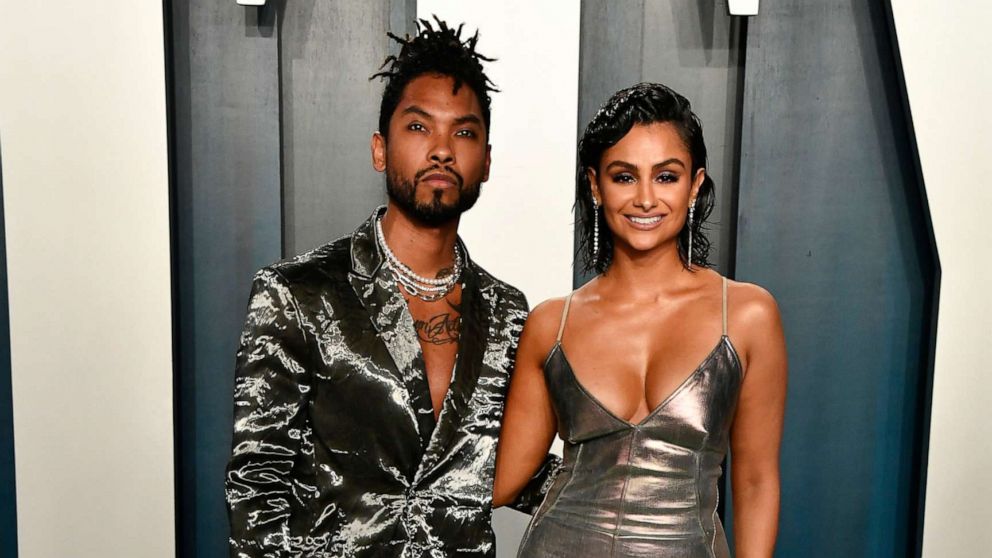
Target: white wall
x,y
83,134
945,50
521,229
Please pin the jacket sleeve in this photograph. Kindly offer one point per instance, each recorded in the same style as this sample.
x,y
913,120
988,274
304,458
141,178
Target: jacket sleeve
x,y
271,428
533,494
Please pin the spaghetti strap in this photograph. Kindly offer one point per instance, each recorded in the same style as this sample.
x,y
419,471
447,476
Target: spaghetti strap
x,y
564,314
724,306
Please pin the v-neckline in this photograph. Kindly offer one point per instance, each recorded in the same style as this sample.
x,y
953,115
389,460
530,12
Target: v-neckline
x,y
658,408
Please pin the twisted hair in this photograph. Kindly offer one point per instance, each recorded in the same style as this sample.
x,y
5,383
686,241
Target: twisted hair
x,y
644,103
431,50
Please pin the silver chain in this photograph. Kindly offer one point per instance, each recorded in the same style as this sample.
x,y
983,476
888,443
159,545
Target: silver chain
x,y
424,288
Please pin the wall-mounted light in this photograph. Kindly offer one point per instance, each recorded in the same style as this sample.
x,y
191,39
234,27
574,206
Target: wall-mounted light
x,y
741,7
251,2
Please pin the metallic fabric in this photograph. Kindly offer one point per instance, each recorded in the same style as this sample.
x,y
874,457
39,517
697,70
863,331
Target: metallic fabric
x,y
336,451
639,490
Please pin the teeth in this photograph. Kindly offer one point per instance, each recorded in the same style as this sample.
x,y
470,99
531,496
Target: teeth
x,y
646,220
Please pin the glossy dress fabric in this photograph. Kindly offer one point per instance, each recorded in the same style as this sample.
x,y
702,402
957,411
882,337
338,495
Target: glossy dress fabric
x,y
336,451
639,490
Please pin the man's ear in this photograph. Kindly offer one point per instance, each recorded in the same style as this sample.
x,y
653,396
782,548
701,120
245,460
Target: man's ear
x,y
489,159
378,152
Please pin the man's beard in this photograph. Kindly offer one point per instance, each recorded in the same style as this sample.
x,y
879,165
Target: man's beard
x,y
435,212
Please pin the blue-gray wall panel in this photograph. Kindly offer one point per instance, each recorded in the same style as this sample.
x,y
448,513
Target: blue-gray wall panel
x,y
8,484
330,110
254,89
831,222
226,225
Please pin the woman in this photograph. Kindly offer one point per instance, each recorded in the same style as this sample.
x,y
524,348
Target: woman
x,y
667,362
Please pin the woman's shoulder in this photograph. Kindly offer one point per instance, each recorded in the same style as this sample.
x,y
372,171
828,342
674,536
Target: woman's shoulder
x,y
540,331
547,315
751,306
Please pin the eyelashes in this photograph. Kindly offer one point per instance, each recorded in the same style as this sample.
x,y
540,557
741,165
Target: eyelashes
x,y
627,178
463,133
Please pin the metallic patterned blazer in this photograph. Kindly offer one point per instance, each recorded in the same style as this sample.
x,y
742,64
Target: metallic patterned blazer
x,y
336,451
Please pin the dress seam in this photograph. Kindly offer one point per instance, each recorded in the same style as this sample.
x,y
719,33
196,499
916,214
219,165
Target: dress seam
x,y
699,503
623,492
713,520
571,479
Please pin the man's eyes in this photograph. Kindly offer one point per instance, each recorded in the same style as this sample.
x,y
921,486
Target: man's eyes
x,y
464,133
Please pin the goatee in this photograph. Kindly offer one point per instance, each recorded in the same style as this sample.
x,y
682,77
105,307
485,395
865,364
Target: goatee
x,y
434,212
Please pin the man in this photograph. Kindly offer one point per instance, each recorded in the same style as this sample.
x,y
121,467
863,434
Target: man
x,y
372,371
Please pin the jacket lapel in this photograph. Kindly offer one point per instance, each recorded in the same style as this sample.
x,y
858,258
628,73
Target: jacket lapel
x,y
377,291
472,343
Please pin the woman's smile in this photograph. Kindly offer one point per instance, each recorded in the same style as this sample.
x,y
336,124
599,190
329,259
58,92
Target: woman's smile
x,y
645,222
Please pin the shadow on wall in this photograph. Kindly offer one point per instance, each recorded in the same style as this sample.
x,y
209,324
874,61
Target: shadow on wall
x,y
8,484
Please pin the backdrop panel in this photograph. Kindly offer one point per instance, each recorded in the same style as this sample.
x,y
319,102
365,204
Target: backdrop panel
x,y
227,208
694,48
832,223
272,105
8,489
948,81
329,111
86,226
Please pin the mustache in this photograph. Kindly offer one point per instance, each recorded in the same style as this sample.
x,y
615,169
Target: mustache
x,y
447,170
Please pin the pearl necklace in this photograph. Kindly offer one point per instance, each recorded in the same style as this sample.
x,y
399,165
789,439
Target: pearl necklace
x,y
424,288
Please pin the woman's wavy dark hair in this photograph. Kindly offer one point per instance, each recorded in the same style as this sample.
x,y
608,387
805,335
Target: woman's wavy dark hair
x,y
644,103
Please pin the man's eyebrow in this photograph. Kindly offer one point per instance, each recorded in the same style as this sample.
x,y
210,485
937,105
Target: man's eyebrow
x,y
414,109
468,119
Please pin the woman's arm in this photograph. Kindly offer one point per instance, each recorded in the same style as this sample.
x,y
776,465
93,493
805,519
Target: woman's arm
x,y
529,421
757,431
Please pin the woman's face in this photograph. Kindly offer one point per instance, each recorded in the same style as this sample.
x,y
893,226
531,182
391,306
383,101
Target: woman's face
x,y
645,184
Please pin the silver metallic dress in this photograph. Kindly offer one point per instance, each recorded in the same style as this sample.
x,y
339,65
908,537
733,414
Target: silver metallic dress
x,y
639,490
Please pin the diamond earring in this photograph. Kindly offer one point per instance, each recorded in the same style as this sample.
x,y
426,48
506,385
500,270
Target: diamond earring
x,y
692,213
595,230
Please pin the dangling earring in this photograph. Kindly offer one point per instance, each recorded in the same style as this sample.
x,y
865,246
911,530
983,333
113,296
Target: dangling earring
x,y
595,230
692,212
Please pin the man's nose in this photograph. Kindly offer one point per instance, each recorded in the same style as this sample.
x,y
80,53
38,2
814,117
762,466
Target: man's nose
x,y
441,152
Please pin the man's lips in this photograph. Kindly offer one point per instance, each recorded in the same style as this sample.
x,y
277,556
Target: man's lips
x,y
439,180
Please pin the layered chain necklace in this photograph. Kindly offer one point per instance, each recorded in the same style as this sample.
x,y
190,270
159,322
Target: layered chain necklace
x,y
424,288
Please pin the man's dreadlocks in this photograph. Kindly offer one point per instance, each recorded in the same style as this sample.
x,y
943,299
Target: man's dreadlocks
x,y
433,51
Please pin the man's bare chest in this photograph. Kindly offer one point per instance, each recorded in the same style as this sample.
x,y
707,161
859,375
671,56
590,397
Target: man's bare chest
x,y
438,326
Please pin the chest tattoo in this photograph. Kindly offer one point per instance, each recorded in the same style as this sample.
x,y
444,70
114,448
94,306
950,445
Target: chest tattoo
x,y
440,329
